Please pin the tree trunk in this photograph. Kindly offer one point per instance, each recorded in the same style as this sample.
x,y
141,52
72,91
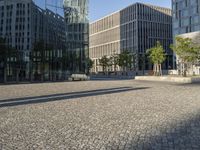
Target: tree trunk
x,y
184,70
115,66
160,69
154,70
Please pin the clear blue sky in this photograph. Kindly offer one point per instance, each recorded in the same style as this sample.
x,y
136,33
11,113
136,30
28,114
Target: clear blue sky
x,y
100,8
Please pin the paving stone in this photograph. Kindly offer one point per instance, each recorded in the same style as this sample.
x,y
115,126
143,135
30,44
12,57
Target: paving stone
x,y
123,114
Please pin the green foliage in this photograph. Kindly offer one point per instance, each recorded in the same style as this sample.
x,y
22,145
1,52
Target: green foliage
x,y
157,54
186,50
157,57
90,63
126,59
104,62
115,60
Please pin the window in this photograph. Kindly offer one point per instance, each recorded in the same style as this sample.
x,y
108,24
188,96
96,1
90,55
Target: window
x,y
190,20
186,3
185,13
176,5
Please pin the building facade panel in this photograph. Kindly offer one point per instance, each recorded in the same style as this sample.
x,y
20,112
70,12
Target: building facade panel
x,y
186,16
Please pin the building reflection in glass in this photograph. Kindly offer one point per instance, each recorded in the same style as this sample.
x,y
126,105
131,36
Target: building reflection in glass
x,y
77,34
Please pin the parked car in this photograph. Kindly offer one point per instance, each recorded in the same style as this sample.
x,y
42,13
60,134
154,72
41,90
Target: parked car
x,y
78,77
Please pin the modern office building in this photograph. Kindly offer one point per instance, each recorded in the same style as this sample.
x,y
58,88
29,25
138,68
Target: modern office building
x,y
50,30
186,24
77,33
23,24
186,16
136,29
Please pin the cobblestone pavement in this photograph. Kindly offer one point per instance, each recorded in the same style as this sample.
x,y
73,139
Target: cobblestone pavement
x,y
124,114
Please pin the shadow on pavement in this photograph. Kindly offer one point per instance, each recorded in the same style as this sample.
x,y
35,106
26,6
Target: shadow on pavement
x,y
63,96
183,135
189,84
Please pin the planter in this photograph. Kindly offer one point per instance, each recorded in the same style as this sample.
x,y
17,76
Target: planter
x,y
169,79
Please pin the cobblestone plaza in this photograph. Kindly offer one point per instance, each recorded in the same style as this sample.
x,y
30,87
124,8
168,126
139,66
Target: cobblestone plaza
x,y
118,114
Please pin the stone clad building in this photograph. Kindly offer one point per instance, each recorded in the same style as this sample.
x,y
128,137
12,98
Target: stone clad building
x,y
104,38
135,28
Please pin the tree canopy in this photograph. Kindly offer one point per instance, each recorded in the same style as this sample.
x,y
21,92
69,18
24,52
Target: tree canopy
x,y
104,62
188,53
157,57
157,54
126,59
90,63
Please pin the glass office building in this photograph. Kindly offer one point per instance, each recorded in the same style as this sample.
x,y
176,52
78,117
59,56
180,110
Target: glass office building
x,y
77,34
23,25
186,16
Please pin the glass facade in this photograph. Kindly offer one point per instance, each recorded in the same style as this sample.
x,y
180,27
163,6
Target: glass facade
x,y
77,34
141,27
24,26
186,16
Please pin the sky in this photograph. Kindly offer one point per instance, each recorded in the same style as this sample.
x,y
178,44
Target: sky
x,y
101,8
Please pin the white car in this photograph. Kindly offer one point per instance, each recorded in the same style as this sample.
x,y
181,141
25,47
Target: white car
x,y
79,77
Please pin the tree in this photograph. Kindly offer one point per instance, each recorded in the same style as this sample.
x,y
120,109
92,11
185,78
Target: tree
x,y
157,57
90,63
115,62
126,60
142,61
198,54
104,62
188,53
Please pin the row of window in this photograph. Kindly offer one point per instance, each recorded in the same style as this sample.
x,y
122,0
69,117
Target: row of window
x,y
107,49
186,12
145,12
19,5
105,23
177,5
105,37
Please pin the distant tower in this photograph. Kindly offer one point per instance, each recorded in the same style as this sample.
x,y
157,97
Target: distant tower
x,y
77,34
